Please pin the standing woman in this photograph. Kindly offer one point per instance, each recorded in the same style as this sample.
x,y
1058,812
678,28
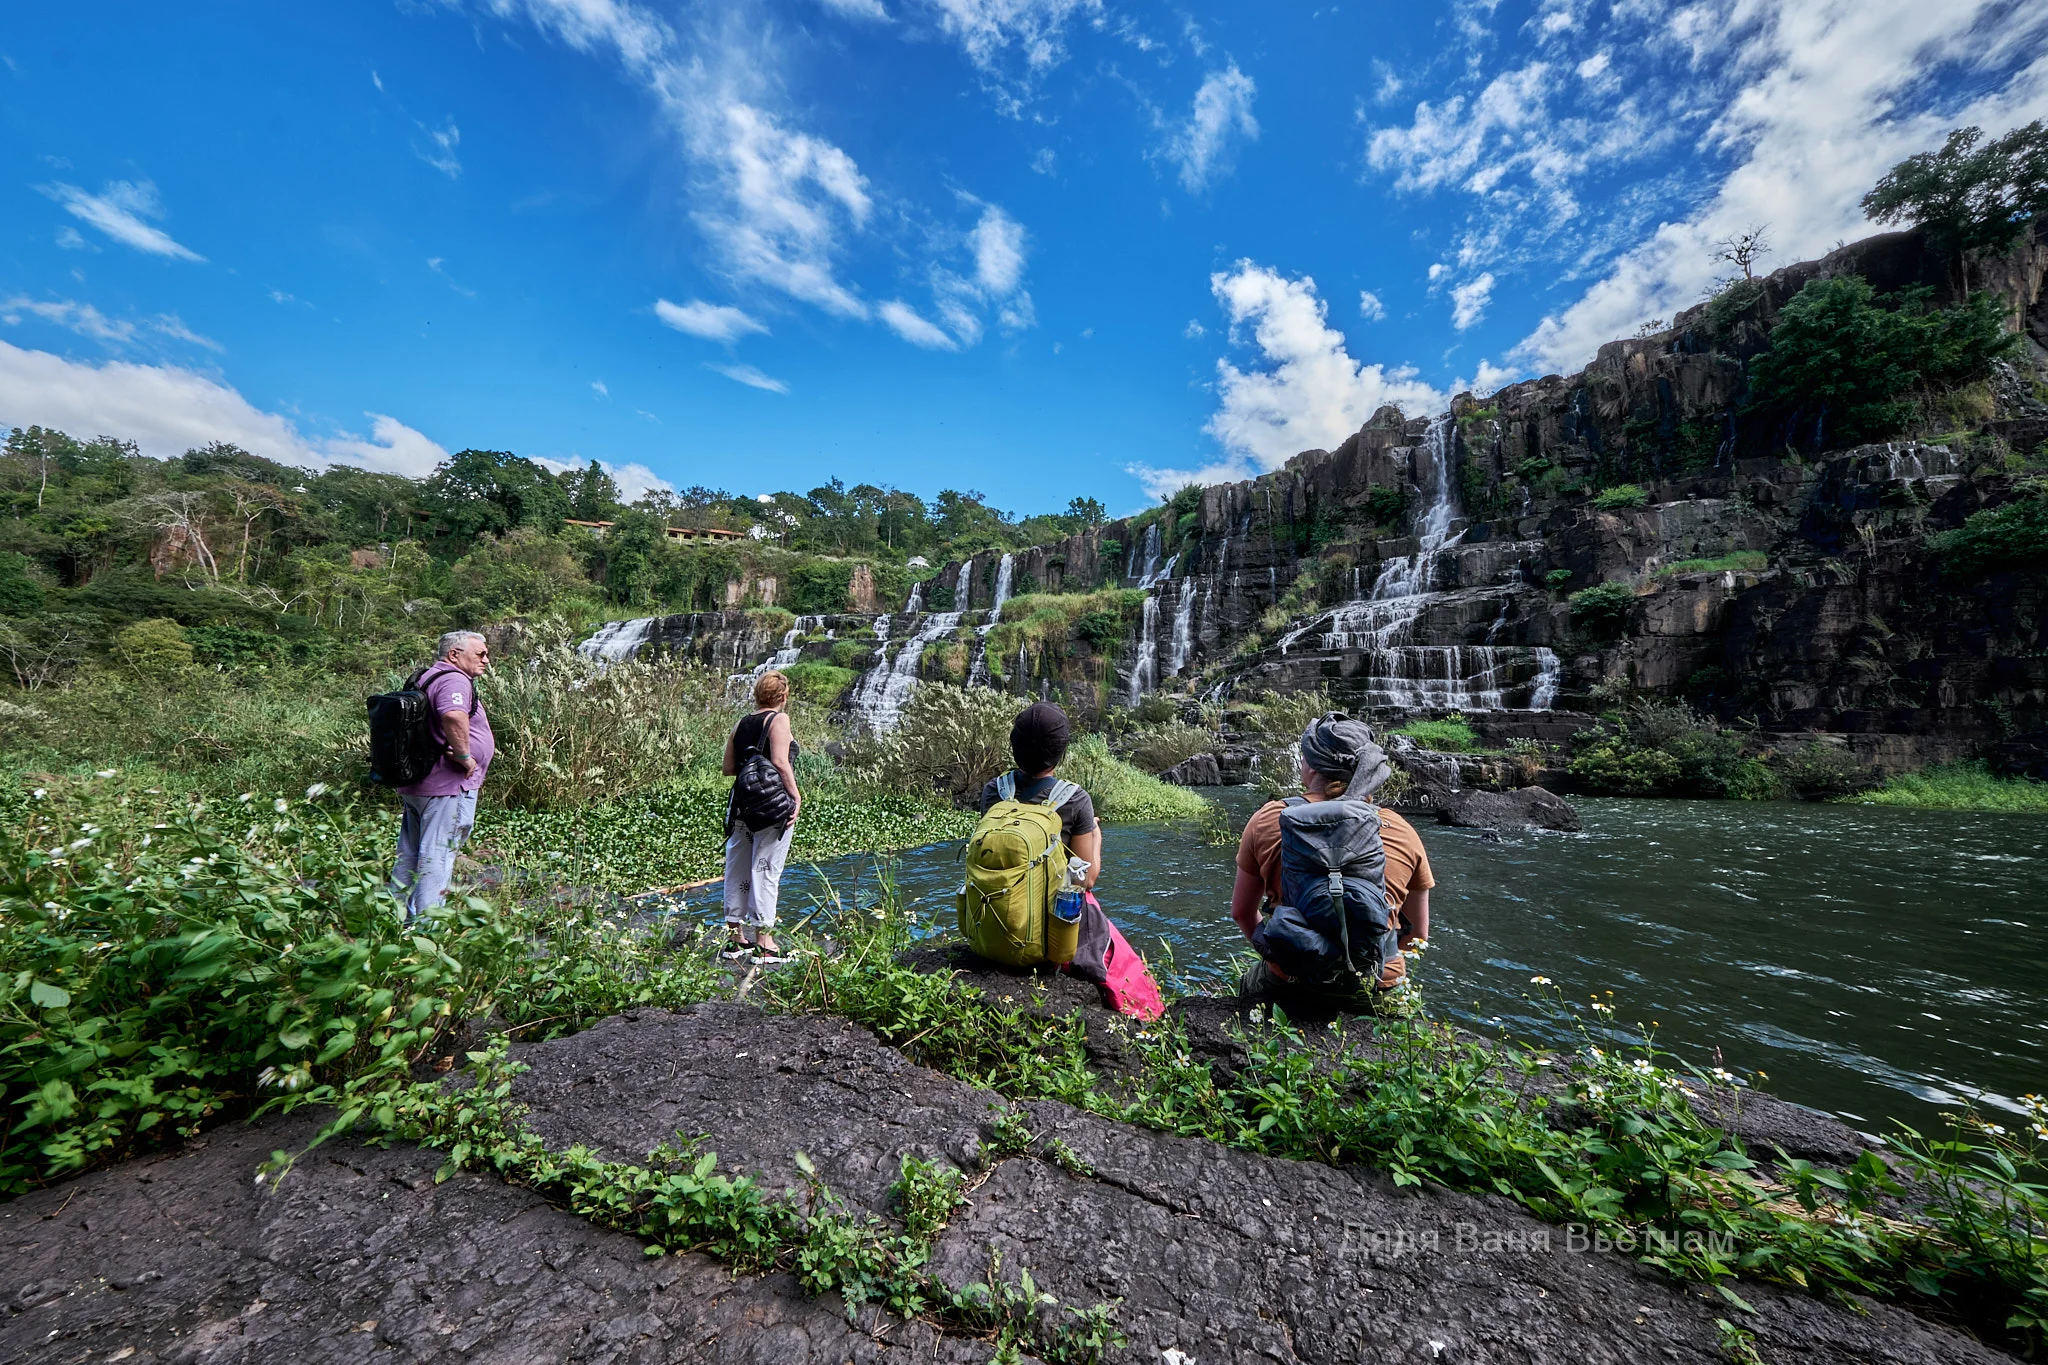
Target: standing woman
x,y
754,853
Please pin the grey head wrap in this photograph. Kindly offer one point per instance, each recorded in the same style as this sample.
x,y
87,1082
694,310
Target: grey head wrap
x,y
1339,747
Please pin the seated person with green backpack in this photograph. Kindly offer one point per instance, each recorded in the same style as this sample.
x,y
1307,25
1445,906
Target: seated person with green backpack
x,y
1030,867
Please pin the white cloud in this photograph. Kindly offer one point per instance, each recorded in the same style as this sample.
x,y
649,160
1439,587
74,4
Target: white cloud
x,y
1490,380
1830,96
1469,300
171,325
118,210
71,239
748,375
1594,66
1369,306
906,322
712,321
167,410
1194,331
81,318
773,201
1311,394
1045,161
434,263
89,321
998,242
597,386
1446,142
1221,115
870,10
1018,314
635,481
991,31
439,151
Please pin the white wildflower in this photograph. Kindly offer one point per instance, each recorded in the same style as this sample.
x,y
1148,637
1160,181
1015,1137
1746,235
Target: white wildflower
x,y
56,853
280,805
39,793
106,772
1539,981
81,843
246,797
1723,1075
316,791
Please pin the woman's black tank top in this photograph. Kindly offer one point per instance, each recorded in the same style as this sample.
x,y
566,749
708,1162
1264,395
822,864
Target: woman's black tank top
x,y
752,733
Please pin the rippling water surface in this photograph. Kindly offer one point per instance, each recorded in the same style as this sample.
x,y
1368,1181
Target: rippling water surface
x,y
1877,963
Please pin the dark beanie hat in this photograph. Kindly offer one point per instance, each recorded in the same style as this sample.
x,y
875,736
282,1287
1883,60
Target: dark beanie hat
x,y
1038,738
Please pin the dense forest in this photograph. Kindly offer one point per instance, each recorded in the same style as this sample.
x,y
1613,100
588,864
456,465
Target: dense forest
x,y
107,554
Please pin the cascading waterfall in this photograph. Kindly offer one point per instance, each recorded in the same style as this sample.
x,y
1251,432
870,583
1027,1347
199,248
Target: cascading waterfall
x,y
1145,667
1403,674
1150,574
790,650
1005,571
878,697
916,602
1183,629
616,640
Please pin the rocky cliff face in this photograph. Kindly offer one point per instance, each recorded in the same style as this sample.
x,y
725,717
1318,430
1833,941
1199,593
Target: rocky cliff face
x,y
1426,564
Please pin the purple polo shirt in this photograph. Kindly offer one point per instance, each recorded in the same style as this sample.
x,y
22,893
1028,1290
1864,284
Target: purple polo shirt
x,y
448,688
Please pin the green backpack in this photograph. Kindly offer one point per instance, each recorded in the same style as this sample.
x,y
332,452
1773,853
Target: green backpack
x,y
1014,862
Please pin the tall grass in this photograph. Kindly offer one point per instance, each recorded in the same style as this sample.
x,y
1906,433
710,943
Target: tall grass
x,y
1959,786
1124,794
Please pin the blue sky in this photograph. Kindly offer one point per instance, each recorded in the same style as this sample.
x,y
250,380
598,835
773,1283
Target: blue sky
x,y
1033,247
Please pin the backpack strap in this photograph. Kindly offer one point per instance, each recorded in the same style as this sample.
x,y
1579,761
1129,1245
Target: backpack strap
x,y
1061,792
419,681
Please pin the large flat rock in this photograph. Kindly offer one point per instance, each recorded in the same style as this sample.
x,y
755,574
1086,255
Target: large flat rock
x,y
1218,1254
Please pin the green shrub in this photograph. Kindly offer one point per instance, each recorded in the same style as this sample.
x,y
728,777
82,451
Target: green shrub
x,y
819,682
1665,748
2012,535
20,595
1823,772
235,647
571,733
949,741
1103,630
154,649
1449,735
1847,358
1155,748
1619,496
1603,608
853,653
1123,794
1557,578
1387,506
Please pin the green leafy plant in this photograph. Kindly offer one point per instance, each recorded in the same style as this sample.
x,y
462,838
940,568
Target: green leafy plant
x,y
1619,496
1603,608
1451,734
2012,535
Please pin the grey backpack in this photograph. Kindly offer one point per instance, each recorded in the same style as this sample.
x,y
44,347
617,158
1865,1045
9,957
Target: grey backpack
x,y
1333,878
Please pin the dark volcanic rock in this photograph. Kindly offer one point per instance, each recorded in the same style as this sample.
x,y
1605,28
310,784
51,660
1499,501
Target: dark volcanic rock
x,y
1528,808
1202,770
362,1257
1216,1253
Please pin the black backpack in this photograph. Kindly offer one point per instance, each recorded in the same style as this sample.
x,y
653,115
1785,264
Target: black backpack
x,y
405,735
1333,875
759,800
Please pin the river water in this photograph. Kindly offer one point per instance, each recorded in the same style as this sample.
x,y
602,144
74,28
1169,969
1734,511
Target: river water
x,y
1879,964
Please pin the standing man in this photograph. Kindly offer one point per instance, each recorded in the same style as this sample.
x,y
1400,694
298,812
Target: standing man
x,y
440,808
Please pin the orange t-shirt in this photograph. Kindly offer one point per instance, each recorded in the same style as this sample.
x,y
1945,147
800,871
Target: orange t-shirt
x,y
1258,854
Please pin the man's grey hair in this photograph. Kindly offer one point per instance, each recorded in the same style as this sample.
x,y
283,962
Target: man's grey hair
x,y
454,640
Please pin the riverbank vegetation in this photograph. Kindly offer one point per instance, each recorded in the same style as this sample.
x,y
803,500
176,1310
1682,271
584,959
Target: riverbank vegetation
x,y
1959,786
167,963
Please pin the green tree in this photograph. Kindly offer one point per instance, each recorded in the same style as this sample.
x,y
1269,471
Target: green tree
x,y
491,491
1972,195
593,494
1843,359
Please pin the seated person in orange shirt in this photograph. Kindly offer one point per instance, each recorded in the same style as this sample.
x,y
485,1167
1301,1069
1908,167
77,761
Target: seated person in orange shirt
x,y
1339,759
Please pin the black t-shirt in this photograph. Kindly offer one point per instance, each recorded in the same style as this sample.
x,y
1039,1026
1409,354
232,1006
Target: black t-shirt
x,y
1077,812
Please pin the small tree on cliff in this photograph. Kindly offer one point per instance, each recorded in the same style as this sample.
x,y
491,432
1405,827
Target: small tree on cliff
x,y
1972,195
